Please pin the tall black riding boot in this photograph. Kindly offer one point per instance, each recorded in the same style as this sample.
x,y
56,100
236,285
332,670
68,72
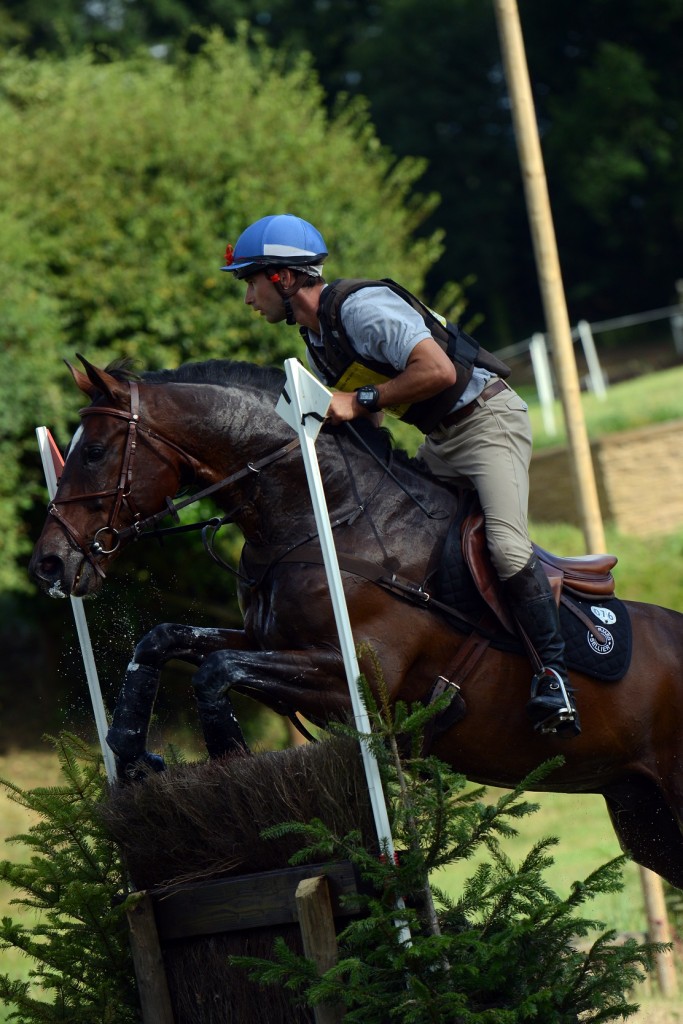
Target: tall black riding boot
x,y
551,707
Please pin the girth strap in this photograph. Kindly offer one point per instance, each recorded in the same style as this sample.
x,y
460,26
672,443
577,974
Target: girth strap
x,y
466,659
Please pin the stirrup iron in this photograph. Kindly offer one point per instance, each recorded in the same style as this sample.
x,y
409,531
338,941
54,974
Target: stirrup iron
x,y
557,717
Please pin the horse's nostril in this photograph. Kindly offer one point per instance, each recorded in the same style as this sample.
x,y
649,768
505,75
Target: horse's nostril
x,y
50,567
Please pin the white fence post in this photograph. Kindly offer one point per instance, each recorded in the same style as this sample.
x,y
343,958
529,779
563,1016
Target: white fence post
x,y
538,350
597,377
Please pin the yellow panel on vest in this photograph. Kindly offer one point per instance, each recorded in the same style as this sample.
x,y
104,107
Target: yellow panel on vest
x,y
356,375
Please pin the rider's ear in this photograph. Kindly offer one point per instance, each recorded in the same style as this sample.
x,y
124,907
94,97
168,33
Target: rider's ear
x,y
97,382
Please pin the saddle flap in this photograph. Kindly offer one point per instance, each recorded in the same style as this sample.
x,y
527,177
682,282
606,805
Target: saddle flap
x,y
476,555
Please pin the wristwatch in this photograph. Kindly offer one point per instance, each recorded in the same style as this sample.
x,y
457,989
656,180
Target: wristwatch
x,y
368,397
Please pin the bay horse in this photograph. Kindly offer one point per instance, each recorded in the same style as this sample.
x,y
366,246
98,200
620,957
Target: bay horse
x,y
212,427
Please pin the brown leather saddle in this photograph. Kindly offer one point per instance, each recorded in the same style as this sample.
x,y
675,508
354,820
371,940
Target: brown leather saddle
x,y
588,576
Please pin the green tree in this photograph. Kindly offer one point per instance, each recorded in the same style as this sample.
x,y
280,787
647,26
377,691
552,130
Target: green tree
x,y
608,94
503,952
120,186
77,942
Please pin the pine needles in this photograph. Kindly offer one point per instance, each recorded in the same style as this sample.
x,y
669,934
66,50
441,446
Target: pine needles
x,y
504,952
75,881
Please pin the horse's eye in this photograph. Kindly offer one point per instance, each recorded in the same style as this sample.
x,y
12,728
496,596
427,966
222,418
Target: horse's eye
x,y
93,453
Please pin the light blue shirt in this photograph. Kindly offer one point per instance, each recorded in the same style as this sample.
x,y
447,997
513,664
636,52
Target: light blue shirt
x,y
383,327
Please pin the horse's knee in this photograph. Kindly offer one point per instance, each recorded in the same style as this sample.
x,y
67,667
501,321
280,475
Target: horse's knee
x,y
212,683
157,645
212,680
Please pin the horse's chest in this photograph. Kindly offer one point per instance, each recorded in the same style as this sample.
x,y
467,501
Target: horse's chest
x,y
290,613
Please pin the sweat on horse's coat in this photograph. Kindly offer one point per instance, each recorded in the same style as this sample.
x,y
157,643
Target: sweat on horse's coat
x,y
193,431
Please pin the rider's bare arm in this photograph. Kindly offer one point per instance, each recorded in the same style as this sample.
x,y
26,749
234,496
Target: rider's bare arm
x,y
428,371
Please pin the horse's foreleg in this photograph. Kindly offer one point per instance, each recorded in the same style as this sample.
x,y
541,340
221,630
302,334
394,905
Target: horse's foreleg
x,y
310,681
127,736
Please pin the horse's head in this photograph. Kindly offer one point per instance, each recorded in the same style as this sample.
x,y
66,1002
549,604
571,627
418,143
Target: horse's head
x,y
117,472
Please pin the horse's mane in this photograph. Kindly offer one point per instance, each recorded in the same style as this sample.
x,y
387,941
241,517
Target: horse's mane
x,y
222,372
231,372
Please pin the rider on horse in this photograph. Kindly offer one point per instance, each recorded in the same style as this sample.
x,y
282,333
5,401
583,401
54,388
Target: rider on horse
x,y
376,344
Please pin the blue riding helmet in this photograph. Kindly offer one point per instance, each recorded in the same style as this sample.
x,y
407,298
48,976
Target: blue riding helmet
x,y
281,240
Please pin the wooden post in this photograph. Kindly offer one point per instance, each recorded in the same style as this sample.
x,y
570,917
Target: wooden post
x,y
659,931
319,936
155,1001
548,268
557,318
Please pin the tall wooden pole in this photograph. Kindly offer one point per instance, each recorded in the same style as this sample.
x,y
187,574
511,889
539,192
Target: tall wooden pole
x,y
557,321
548,268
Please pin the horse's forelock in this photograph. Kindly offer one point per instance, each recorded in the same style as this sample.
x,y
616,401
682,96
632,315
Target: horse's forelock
x,y
122,369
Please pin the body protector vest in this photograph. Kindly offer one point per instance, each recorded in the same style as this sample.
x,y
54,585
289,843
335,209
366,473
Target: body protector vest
x,y
342,367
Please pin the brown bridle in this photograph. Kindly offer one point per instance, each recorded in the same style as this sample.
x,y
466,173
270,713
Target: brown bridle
x,y
94,549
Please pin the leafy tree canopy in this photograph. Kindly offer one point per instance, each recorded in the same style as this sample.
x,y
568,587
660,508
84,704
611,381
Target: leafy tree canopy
x,y
121,184
608,93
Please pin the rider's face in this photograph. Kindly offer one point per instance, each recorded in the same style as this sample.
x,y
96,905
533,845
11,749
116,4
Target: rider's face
x,y
264,298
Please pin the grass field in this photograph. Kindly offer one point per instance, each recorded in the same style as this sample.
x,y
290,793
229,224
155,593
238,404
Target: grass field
x,y
654,398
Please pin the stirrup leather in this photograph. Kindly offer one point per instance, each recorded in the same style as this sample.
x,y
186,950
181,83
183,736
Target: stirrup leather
x,y
563,713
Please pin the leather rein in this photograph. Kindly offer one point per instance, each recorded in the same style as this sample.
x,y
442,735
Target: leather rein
x,y
94,549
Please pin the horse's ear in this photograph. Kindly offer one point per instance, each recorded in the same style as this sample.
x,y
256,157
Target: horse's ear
x,y
97,382
82,381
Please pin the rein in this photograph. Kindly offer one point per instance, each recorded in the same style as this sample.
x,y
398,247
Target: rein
x,y
94,549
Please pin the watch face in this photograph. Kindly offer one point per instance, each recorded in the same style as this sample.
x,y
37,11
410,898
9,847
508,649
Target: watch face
x,y
368,396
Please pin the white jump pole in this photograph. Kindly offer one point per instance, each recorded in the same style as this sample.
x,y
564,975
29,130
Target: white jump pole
x,y
303,405
52,465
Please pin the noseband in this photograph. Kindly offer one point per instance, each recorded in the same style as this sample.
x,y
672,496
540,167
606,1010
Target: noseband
x,y
95,549
121,493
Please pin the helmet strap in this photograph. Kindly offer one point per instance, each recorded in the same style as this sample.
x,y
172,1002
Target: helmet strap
x,y
289,312
286,295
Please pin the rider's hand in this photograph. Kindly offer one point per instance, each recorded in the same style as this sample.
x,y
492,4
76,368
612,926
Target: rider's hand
x,y
344,406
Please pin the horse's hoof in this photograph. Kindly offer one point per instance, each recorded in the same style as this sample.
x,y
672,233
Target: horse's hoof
x,y
139,769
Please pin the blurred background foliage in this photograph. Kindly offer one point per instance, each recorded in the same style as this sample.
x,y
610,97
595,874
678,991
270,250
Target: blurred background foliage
x,y
139,137
120,185
608,93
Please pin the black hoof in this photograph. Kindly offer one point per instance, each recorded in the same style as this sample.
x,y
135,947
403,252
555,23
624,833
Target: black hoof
x,y
145,765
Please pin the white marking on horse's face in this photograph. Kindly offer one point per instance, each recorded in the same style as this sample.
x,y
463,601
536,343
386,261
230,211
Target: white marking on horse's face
x,y
73,444
56,590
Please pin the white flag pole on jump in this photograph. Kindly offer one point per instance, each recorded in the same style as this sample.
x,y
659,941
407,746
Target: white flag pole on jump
x,y
303,405
52,465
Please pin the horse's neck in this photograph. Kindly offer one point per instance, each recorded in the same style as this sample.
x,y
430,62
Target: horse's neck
x,y
222,428
225,431
355,493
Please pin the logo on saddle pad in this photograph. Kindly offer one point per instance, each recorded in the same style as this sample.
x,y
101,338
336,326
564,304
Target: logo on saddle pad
x,y
604,614
608,640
